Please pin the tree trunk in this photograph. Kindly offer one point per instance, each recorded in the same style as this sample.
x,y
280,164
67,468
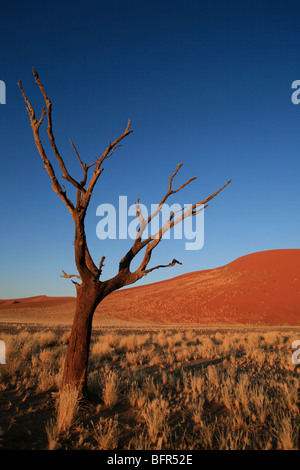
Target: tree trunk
x,y
76,362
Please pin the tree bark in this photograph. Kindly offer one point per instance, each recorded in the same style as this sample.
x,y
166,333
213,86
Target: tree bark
x,y
76,361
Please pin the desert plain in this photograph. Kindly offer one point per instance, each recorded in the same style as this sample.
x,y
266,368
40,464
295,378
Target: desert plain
x,y
201,361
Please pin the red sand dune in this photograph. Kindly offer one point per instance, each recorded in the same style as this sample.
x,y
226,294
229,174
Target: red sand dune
x,y
37,301
258,289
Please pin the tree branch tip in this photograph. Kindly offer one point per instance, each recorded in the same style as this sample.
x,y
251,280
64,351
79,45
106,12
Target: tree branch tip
x,y
69,276
101,265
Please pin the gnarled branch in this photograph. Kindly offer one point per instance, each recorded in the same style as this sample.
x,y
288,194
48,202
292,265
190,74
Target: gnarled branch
x,y
152,241
69,276
174,261
35,125
48,103
101,264
98,170
166,196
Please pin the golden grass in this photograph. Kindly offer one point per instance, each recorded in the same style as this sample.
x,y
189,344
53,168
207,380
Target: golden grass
x,y
67,408
163,389
106,433
110,390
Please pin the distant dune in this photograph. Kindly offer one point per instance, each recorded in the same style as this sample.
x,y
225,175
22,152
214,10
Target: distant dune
x,y
258,289
37,301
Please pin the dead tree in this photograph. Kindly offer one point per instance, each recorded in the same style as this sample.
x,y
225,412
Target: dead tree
x,y
91,290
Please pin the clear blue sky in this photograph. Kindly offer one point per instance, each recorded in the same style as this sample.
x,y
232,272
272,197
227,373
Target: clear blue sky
x,y
207,84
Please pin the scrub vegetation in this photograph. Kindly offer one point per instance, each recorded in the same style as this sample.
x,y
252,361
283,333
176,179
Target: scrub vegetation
x,y
233,388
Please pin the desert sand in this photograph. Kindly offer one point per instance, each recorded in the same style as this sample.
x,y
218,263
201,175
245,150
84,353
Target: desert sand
x,y
258,289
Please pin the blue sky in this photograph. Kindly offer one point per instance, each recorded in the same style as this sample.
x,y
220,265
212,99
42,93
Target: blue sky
x,y
207,84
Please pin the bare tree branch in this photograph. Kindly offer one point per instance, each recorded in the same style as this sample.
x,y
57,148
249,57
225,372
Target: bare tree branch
x,y
174,261
42,117
90,263
101,264
83,181
171,222
204,201
98,170
68,276
152,241
84,166
125,277
48,103
35,125
166,196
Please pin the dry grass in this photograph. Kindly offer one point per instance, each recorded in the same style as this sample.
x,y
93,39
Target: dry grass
x,y
155,413
110,392
106,433
155,390
67,408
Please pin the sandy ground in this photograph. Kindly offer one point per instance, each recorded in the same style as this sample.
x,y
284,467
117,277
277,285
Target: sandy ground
x,y
258,289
